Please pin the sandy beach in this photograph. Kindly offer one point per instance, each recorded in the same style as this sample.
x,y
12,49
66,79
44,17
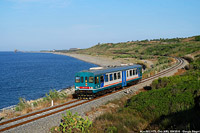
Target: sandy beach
x,y
101,61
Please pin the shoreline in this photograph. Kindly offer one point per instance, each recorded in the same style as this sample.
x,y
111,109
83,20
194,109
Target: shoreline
x,y
100,61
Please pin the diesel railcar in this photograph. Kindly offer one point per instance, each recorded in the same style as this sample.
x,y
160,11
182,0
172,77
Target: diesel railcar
x,y
98,81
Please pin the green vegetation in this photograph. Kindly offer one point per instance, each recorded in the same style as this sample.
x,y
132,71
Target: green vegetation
x,y
73,123
22,105
54,95
44,102
197,38
156,51
173,103
175,49
146,49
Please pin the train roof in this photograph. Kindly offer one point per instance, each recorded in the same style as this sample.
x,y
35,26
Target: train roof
x,y
111,69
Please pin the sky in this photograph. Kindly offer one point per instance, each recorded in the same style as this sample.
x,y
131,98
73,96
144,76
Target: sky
x,y
33,25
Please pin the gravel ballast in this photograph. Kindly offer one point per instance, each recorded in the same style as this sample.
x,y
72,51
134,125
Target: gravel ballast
x,y
43,125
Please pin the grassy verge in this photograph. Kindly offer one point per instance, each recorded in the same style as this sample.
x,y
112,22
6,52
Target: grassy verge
x,y
24,106
173,103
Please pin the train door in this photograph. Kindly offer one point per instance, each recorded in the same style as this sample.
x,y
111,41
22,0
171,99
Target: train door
x,y
138,72
124,78
102,80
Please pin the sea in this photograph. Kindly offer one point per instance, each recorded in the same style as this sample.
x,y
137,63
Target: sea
x,y
32,75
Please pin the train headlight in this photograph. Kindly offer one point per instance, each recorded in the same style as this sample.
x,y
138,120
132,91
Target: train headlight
x,y
77,87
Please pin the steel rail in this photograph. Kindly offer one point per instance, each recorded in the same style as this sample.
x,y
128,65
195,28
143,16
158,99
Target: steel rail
x,y
180,62
164,72
37,112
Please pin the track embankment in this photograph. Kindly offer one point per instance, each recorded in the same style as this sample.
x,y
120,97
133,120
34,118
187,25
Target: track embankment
x,y
41,121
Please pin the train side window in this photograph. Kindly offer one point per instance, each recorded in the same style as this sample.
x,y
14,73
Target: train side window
x,y
96,80
111,77
102,79
86,79
77,80
115,76
119,76
91,79
106,78
133,72
130,73
81,79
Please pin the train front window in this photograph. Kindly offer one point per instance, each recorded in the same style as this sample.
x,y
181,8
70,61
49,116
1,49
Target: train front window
x,y
136,72
91,79
115,76
77,80
81,79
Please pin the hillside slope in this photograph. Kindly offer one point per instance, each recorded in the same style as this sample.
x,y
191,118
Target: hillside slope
x,y
154,54
172,104
146,49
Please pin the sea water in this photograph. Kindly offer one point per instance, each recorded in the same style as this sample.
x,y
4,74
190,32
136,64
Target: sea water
x,y
31,75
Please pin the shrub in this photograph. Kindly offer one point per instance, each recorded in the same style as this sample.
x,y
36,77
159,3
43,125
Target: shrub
x,y
111,129
54,95
22,104
197,38
74,123
35,104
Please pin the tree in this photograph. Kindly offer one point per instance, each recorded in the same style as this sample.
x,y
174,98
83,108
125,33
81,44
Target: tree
x,y
197,38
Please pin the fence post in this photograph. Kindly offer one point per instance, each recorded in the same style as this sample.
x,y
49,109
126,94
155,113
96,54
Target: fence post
x,y
51,102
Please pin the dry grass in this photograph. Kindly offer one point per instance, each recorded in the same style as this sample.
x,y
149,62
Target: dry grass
x,y
33,105
108,116
180,72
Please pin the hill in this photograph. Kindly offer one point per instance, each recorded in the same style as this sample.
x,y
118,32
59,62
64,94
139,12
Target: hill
x,y
154,54
146,49
172,104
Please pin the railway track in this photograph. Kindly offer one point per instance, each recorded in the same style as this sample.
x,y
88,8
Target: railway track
x,y
21,120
